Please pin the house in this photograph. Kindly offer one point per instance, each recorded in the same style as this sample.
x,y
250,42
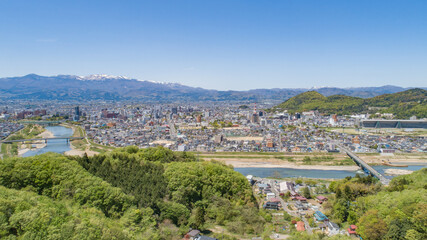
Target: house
x,y
300,206
323,226
320,216
205,238
300,198
352,230
321,199
270,195
300,226
286,186
293,193
333,228
271,205
262,186
275,199
192,235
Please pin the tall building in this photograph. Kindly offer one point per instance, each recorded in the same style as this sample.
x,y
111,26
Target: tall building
x,y
255,116
174,110
207,114
76,114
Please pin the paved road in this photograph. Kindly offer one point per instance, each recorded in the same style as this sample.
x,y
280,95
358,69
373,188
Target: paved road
x,y
40,139
307,226
362,163
172,130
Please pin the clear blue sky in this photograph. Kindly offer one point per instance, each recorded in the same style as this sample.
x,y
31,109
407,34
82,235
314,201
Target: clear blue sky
x,y
220,44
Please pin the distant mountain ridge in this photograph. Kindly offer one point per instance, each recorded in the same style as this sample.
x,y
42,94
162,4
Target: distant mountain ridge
x,y
105,87
412,102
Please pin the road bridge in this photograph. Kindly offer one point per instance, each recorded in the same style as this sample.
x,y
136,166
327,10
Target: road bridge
x,y
41,139
48,123
365,167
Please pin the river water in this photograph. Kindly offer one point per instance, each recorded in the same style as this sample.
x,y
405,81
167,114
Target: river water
x,y
310,173
57,145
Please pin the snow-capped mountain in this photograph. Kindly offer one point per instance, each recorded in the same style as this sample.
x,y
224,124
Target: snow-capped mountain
x,y
100,77
106,87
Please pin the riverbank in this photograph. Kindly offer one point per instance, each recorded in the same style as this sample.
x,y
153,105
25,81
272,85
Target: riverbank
x,y
77,152
258,164
396,172
79,147
36,144
398,158
319,161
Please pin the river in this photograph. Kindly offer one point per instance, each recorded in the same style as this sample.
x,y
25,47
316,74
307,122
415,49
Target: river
x,y
57,145
310,173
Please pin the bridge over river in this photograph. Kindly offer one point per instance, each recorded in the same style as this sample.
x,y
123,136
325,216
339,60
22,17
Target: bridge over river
x,y
41,139
47,123
362,164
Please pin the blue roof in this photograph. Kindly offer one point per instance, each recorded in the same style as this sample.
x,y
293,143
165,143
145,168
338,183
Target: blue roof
x,y
320,216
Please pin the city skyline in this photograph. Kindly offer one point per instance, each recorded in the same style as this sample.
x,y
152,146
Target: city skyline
x,y
220,45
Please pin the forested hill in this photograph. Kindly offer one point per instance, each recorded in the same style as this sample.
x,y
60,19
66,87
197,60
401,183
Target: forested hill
x,y
398,211
128,193
402,104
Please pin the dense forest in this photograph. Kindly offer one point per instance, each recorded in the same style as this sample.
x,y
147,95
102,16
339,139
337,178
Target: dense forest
x,y
128,193
404,104
398,211
154,193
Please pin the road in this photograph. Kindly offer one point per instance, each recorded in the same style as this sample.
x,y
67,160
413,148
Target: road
x,y
364,165
40,139
172,129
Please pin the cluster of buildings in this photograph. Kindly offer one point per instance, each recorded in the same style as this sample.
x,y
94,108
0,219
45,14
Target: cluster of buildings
x,y
214,127
273,192
231,129
7,128
365,143
24,114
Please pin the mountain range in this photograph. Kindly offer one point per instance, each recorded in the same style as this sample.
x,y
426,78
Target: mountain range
x,y
104,87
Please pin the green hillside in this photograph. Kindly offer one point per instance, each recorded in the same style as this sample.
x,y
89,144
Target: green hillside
x,y
398,211
402,104
128,193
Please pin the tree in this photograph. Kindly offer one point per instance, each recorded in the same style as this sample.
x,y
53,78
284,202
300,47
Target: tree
x,y
352,217
306,192
338,193
340,210
197,218
397,229
310,182
176,212
370,226
412,234
321,189
348,193
286,216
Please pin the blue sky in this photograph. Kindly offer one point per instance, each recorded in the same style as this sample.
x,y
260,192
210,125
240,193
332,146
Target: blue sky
x,y
220,44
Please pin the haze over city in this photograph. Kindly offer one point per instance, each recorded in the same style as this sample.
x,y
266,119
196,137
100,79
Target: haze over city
x,y
221,45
